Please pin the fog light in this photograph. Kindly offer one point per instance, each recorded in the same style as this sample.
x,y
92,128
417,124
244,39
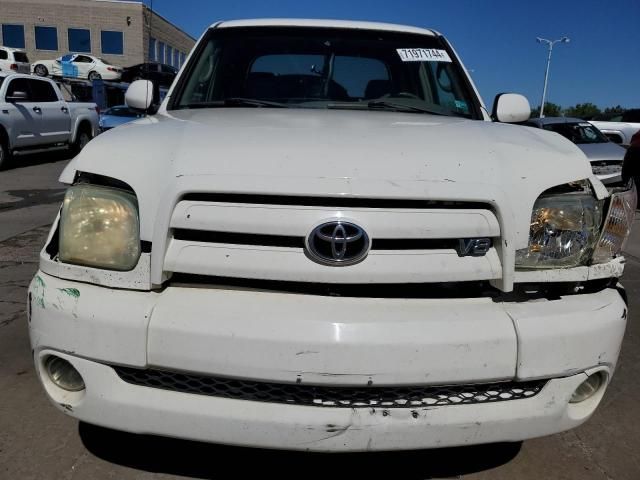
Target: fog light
x,y
588,388
63,375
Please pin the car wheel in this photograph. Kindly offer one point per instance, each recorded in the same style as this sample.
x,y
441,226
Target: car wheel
x,y
5,154
41,70
94,76
84,137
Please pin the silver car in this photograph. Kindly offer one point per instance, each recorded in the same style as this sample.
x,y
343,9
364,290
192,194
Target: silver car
x,y
605,156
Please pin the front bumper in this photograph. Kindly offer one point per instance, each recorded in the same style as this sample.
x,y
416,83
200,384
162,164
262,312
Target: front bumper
x,y
289,338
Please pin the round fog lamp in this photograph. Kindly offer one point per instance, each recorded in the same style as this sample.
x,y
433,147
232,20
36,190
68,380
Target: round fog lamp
x,y
63,374
588,388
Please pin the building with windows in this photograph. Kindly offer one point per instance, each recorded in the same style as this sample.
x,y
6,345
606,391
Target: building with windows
x,y
122,32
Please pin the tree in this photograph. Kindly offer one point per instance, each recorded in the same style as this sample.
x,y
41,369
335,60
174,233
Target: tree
x,y
550,110
583,110
617,110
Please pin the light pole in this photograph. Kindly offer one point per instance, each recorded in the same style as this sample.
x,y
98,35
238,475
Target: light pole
x,y
550,43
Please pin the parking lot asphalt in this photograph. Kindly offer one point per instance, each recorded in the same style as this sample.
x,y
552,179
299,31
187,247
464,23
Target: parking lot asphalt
x,y
39,442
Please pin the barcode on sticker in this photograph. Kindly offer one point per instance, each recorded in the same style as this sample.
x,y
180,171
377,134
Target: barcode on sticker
x,y
423,55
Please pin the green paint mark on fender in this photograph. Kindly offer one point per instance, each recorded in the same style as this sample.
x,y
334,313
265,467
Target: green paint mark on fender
x,y
72,292
38,291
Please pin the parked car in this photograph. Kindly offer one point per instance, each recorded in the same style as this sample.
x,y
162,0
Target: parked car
x,y
14,60
322,241
34,116
162,75
78,66
116,116
621,128
605,156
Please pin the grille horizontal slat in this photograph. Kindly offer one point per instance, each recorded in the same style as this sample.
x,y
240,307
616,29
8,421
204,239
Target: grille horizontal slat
x,y
340,202
330,396
287,241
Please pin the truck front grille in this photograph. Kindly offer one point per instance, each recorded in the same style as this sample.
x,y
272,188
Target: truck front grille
x,y
331,396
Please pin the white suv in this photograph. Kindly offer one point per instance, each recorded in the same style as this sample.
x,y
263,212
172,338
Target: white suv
x,y
14,61
322,241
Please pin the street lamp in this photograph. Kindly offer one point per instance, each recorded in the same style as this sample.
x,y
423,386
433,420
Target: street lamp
x,y
550,43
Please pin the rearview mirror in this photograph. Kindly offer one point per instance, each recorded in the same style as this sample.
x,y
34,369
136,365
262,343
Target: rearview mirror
x,y
17,97
511,108
139,95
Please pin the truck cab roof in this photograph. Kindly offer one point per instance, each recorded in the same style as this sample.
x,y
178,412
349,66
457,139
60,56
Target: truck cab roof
x,y
300,22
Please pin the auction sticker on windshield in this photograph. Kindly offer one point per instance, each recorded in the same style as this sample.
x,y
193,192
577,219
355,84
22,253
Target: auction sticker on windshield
x,y
423,55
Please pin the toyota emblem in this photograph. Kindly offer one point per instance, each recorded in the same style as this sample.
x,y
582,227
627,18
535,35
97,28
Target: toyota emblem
x,y
338,243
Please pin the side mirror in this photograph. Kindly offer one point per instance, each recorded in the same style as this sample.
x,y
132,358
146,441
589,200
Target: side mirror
x,y
139,95
511,108
18,97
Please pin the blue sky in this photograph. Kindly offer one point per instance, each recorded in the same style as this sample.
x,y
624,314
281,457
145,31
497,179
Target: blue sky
x,y
495,38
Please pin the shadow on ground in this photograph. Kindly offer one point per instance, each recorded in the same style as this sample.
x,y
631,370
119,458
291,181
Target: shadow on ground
x,y
203,460
29,160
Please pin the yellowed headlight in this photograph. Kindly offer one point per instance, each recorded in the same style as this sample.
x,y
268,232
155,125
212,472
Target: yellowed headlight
x,y
99,227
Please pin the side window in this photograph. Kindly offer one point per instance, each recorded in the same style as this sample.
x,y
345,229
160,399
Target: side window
x,y
19,85
83,59
3,54
42,91
167,69
443,90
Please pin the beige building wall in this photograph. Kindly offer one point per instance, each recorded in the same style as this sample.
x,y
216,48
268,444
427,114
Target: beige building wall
x,y
130,18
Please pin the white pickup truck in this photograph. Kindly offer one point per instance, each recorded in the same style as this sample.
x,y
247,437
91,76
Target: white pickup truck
x,y
34,116
324,241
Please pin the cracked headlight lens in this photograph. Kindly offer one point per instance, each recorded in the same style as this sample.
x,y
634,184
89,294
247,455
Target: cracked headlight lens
x,y
617,226
564,230
99,227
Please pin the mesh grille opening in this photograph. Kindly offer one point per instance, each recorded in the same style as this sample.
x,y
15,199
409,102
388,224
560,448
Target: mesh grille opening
x,y
331,396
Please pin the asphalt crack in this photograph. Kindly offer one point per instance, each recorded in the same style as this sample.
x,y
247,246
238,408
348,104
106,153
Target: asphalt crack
x,y
588,452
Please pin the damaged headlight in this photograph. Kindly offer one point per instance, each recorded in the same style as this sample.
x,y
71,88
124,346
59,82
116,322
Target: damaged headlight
x,y
617,225
99,227
564,229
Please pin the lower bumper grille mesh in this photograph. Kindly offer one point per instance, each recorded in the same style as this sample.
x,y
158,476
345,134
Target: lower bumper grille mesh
x,y
331,396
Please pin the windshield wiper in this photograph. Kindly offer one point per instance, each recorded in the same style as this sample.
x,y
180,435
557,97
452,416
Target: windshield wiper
x,y
236,102
383,105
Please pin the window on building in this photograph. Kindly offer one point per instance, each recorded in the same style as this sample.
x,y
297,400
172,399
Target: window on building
x,y
152,49
46,38
112,42
161,52
169,56
183,57
79,40
13,35
176,59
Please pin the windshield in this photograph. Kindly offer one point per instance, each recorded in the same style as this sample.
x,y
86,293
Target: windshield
x,y
325,68
582,132
20,57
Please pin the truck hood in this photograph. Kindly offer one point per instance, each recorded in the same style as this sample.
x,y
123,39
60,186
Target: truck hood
x,y
330,153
